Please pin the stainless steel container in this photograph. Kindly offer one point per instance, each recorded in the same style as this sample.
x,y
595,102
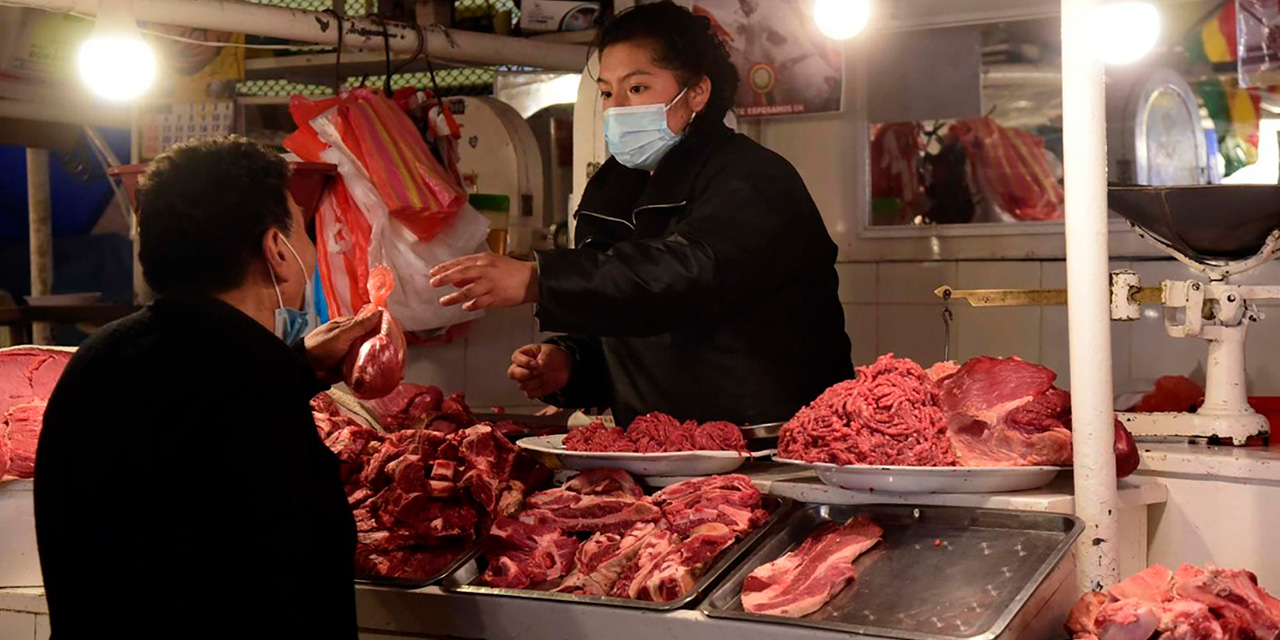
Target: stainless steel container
x,y
938,573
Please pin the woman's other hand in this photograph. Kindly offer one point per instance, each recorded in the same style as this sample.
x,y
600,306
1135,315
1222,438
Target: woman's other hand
x,y
487,280
540,369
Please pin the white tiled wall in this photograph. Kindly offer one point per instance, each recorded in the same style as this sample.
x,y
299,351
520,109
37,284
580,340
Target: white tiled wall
x,y
890,307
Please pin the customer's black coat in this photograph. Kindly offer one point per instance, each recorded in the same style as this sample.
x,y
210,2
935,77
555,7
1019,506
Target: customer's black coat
x,y
706,290
181,489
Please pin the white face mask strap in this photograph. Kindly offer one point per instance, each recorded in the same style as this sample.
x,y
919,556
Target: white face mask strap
x,y
272,272
676,99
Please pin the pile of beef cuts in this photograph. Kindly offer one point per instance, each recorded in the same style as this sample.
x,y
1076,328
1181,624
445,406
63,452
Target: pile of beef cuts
x,y
420,497
27,378
809,576
657,433
600,535
990,412
1191,603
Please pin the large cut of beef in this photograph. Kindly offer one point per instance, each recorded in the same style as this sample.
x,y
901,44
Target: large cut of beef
x,y
729,500
602,559
669,565
420,497
406,404
989,412
599,500
523,556
657,433
27,378
1192,603
809,576
888,415
637,547
1004,412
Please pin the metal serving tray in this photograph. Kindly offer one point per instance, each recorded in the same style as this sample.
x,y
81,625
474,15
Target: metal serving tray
x,y
939,572
467,554
463,579
762,431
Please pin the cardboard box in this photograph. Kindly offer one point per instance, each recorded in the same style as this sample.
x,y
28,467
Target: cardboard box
x,y
546,16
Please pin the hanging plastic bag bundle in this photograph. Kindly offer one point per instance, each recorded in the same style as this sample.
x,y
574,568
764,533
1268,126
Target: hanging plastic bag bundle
x,y
375,367
394,205
1012,169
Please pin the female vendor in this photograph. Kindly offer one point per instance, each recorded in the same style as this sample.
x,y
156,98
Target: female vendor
x,y
703,281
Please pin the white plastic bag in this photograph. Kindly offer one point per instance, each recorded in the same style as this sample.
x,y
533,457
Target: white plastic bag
x,y
414,302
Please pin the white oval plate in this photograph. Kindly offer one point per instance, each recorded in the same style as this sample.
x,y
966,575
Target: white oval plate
x,y
683,463
893,479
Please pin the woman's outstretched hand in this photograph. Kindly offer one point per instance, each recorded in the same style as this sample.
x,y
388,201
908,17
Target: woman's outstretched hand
x,y
487,280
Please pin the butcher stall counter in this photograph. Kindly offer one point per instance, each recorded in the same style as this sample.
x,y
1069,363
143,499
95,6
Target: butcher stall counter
x,y
387,613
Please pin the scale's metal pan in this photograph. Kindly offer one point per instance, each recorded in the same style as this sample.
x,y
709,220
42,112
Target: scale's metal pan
x,y
1203,222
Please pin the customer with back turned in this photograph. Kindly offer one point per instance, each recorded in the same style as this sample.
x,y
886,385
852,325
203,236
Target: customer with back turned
x,y
181,488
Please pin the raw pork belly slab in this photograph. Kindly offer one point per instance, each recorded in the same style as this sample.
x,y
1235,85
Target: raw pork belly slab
x,y
1004,412
800,582
888,415
27,378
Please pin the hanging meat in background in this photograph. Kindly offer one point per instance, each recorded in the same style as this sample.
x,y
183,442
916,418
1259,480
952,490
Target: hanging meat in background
x,y
375,367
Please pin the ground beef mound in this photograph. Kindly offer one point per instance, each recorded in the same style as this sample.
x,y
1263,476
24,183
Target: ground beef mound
x,y
657,433
598,437
719,435
888,415
652,432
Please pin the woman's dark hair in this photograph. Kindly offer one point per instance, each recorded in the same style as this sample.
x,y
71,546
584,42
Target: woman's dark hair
x,y
682,42
203,208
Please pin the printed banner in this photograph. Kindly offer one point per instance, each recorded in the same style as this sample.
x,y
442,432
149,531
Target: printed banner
x,y
785,65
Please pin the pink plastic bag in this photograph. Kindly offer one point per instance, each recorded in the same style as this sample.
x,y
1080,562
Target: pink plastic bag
x,y
376,367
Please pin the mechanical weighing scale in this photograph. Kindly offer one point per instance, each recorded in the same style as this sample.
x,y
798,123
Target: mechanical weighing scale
x,y
1219,232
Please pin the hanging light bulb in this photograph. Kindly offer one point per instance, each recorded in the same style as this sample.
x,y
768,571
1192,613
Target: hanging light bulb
x,y
115,62
1124,32
841,19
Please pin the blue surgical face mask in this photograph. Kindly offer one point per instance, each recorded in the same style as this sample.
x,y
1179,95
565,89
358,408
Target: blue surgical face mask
x,y
292,325
639,136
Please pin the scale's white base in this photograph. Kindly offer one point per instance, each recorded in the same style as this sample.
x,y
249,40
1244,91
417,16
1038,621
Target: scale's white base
x,y
1236,427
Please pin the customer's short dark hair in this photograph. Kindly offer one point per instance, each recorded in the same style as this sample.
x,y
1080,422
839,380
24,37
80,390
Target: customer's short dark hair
x,y
203,208
684,43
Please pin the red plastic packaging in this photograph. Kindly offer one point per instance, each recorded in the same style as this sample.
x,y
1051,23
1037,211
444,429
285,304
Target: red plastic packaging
x,y
376,367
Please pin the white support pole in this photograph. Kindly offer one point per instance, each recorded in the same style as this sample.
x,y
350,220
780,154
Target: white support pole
x,y
40,216
322,28
1089,296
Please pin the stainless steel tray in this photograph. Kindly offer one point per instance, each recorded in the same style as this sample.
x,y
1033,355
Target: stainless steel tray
x,y
468,554
462,580
762,431
939,572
